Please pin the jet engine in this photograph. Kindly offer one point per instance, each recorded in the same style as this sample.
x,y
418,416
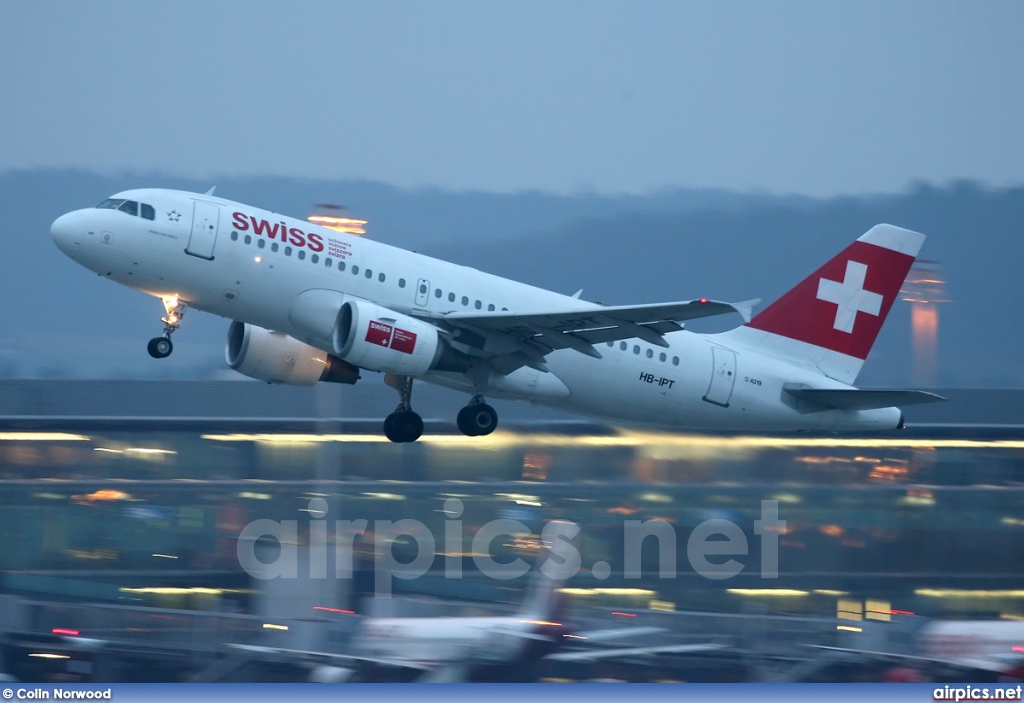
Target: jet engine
x,y
377,338
275,357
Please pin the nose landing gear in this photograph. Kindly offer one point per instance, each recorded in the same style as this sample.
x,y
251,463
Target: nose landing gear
x,y
161,347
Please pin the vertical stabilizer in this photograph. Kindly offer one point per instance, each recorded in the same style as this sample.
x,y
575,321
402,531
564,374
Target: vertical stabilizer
x,y
831,319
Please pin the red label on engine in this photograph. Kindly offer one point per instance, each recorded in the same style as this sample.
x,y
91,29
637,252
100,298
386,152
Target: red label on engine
x,y
387,336
403,341
379,333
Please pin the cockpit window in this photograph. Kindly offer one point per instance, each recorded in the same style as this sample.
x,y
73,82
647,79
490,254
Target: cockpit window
x,y
129,207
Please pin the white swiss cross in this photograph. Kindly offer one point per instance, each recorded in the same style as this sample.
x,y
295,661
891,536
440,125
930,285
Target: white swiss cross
x,y
850,296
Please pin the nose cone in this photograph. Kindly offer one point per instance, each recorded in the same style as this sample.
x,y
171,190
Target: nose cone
x,y
66,233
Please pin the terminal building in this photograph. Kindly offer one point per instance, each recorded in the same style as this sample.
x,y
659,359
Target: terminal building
x,y
137,491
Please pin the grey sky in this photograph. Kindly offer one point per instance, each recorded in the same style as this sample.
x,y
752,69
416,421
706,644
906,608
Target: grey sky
x,y
805,97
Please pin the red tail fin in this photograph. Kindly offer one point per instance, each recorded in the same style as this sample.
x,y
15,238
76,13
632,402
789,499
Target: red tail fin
x,y
842,305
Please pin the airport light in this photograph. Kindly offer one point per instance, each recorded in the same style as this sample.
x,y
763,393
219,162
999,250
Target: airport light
x,y
345,225
645,441
924,289
41,437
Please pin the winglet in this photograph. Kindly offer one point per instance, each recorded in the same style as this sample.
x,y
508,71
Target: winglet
x,y
746,308
210,192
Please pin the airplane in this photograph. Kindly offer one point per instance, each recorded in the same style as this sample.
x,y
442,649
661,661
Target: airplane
x,y
455,649
310,304
973,648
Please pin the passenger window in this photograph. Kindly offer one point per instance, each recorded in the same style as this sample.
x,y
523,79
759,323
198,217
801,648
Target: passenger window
x,y
662,356
381,277
451,297
675,361
465,300
622,346
636,349
490,308
327,262
369,273
248,239
261,243
401,283
287,251
131,207
234,236
273,246
315,259
355,270
650,353
341,265
423,289
148,212
302,253
437,293
478,305
504,309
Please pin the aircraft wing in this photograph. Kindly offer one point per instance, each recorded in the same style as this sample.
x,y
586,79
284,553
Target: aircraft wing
x,y
620,652
336,657
973,663
858,399
510,340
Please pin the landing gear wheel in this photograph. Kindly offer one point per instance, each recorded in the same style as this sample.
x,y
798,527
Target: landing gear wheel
x,y
403,426
160,347
477,419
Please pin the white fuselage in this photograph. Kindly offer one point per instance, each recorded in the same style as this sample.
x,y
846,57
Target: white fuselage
x,y
481,640
699,381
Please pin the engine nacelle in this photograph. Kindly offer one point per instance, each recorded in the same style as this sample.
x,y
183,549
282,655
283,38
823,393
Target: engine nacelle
x,y
380,339
275,357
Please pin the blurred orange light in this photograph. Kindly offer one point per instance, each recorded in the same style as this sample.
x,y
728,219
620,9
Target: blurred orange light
x,y
346,225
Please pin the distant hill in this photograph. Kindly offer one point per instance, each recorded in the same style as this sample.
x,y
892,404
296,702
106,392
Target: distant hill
x,y
58,320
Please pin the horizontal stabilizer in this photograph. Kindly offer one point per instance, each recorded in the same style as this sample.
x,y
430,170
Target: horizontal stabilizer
x,y
858,399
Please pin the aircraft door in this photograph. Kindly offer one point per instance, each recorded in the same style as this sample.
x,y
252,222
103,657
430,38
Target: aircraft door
x,y
723,376
205,220
422,292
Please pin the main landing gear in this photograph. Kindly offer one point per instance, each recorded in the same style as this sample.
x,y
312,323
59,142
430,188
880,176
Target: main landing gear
x,y
161,347
477,419
403,425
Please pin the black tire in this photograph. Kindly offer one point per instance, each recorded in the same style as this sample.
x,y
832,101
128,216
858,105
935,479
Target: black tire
x,y
477,420
389,428
160,347
462,421
405,426
408,426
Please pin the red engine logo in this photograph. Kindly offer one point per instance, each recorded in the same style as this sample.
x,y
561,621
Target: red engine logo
x,y
393,337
